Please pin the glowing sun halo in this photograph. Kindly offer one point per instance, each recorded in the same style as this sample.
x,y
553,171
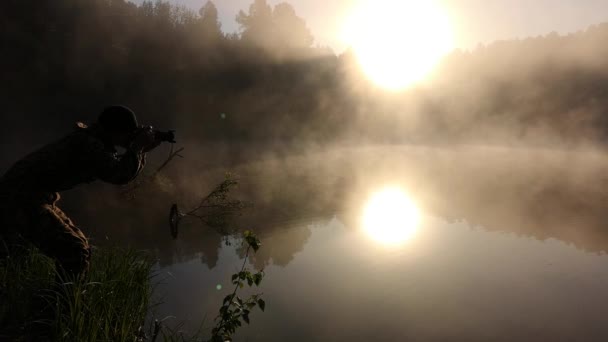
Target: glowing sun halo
x,y
398,42
390,217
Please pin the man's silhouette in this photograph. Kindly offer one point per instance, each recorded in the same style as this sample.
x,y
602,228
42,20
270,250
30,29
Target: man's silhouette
x,y
29,190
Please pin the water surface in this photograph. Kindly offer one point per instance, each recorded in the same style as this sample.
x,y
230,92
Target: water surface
x,y
510,244
448,282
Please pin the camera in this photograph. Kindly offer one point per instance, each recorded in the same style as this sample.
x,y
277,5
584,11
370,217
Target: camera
x,y
159,136
168,136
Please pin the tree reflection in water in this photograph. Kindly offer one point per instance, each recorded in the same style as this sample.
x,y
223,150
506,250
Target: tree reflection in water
x,y
531,193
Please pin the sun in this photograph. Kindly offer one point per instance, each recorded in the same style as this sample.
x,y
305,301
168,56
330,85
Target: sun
x,y
398,42
390,217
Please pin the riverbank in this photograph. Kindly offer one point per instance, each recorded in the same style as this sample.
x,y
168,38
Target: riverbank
x,y
110,303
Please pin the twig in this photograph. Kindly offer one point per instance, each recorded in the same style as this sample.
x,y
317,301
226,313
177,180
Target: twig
x,y
138,183
169,159
156,330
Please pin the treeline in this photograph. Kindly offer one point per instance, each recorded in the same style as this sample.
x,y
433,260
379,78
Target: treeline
x,y
547,89
65,59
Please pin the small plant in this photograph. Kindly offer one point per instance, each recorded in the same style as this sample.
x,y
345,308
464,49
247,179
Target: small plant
x,y
213,210
235,309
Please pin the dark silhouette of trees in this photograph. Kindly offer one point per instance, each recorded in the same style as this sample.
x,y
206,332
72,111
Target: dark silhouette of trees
x,y
256,25
291,29
209,23
276,30
65,59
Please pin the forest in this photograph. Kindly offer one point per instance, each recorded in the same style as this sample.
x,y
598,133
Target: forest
x,y
66,59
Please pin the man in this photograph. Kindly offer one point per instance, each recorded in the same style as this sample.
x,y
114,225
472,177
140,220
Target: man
x,y
29,191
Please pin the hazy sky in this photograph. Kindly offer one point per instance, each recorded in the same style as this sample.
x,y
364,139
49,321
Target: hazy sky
x,y
473,21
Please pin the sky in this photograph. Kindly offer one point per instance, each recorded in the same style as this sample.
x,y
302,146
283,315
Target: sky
x,y
473,21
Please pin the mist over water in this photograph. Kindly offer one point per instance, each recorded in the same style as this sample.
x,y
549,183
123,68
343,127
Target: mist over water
x,y
534,192
509,237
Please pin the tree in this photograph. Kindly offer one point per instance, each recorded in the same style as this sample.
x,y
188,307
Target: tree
x,y
277,30
209,22
290,28
256,27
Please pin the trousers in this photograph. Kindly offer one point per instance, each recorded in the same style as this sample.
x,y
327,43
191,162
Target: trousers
x,y
41,222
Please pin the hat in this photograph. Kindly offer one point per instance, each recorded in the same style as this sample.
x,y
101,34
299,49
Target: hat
x,y
118,118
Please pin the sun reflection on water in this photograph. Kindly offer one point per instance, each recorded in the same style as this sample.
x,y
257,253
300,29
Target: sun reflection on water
x,y
390,217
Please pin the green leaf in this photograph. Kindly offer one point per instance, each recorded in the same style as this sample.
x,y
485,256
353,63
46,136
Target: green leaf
x,y
246,318
234,276
262,304
257,278
227,299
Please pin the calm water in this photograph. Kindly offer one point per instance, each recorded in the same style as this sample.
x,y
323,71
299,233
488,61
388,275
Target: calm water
x,y
449,282
510,245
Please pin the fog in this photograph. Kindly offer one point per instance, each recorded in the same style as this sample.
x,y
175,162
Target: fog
x,y
512,116
508,137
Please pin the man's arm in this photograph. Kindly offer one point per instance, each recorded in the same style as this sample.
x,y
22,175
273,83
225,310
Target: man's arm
x,y
111,168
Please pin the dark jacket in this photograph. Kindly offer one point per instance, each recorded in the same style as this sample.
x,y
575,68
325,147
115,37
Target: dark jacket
x,y
80,157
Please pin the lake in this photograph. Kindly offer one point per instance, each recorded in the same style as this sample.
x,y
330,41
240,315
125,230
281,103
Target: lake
x,y
508,243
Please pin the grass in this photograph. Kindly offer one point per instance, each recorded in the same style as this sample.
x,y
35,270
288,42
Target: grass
x,y
112,302
109,304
